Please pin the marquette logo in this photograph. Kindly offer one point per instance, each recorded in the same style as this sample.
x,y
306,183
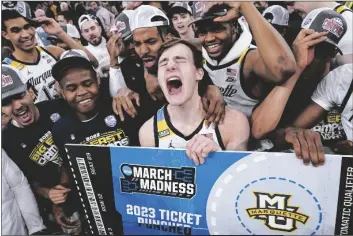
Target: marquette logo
x,y
276,212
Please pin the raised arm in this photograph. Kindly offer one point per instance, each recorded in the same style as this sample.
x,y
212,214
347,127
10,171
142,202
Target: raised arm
x,y
273,61
53,28
266,116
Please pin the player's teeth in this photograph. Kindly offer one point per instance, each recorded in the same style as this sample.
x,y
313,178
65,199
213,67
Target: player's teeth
x,y
212,46
173,78
85,101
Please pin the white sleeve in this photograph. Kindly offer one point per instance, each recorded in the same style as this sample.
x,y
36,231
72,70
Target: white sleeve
x,y
324,94
116,81
23,194
346,44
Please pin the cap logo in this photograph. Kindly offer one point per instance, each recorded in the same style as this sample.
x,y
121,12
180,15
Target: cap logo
x,y
199,7
6,80
334,26
120,26
20,9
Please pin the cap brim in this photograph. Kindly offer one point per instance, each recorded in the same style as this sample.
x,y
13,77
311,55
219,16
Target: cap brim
x,y
127,37
34,23
52,37
15,91
334,44
67,63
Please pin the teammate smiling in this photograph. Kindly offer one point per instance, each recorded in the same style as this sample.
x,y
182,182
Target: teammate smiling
x,y
34,62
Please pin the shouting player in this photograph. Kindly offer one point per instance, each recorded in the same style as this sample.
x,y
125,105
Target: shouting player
x,y
181,123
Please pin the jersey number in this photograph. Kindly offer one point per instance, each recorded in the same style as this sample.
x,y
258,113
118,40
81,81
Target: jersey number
x,y
46,90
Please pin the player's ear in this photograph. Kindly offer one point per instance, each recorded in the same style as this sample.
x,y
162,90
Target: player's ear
x,y
5,35
199,74
31,93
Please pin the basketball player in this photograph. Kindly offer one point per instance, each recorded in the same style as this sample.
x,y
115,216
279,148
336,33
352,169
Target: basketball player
x,y
181,123
34,62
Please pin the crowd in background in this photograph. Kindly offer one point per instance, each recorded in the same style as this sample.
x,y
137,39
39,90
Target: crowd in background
x,y
254,76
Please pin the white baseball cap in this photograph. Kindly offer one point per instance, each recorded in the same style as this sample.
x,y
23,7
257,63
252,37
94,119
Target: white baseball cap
x,y
144,17
280,15
85,18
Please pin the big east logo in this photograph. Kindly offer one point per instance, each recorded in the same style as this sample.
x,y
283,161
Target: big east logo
x,y
334,26
6,80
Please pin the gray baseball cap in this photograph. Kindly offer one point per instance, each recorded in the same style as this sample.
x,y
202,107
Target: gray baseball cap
x,y
22,8
73,58
122,24
214,12
11,82
279,15
326,19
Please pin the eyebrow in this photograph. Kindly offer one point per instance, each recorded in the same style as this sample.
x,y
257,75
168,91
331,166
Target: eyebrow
x,y
180,57
175,58
163,60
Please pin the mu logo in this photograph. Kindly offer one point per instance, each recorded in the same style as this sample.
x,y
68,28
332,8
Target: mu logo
x,y
275,210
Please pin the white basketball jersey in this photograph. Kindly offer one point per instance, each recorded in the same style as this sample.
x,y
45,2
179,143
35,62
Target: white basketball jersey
x,y
38,74
227,74
167,136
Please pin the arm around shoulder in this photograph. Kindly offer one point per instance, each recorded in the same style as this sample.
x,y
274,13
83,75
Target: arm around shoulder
x,y
235,130
146,134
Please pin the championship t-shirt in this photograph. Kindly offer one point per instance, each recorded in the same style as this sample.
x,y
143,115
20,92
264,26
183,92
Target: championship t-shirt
x,y
105,128
331,93
32,148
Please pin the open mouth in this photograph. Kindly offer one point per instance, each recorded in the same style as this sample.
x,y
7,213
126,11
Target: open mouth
x,y
23,115
93,38
27,42
174,85
149,62
85,102
180,27
213,48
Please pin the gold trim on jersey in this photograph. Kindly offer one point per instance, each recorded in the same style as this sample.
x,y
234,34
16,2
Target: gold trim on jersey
x,y
163,129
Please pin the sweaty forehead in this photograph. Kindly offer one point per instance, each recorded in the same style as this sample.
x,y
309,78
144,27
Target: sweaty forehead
x,y
76,76
143,34
89,24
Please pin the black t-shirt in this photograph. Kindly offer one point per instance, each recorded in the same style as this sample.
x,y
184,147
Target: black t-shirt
x,y
133,73
104,129
32,148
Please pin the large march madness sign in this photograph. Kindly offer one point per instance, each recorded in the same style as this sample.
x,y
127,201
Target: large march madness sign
x,y
153,191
